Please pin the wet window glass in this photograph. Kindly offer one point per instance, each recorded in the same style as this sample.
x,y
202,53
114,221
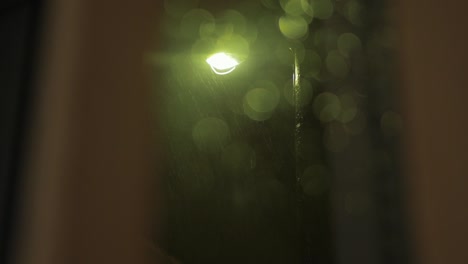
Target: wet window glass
x,y
281,126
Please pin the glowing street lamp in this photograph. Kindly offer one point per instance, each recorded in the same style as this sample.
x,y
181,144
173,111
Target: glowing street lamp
x,y
222,63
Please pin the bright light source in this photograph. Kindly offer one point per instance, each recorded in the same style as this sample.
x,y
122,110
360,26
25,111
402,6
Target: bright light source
x,y
221,63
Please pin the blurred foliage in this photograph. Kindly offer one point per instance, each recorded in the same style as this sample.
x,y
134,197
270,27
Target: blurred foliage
x,y
232,191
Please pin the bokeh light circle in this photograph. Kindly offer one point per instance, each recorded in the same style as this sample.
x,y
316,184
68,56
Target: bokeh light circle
x,y
210,134
348,108
234,19
327,107
312,64
193,21
321,9
336,64
292,7
353,11
261,100
348,43
293,27
233,44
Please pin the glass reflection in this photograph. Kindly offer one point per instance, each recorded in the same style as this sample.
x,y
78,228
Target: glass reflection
x,y
274,161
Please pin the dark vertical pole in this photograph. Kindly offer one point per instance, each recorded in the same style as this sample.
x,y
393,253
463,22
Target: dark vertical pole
x,y
298,114
298,119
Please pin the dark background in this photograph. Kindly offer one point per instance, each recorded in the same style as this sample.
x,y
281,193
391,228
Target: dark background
x,y
19,25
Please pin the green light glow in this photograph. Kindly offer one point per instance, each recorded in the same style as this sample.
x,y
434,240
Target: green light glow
x,y
222,64
293,27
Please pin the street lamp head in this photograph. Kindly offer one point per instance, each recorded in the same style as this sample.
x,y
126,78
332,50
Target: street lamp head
x,y
222,63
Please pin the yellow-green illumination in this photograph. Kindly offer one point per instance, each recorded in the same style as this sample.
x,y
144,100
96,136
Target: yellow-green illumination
x,y
222,64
